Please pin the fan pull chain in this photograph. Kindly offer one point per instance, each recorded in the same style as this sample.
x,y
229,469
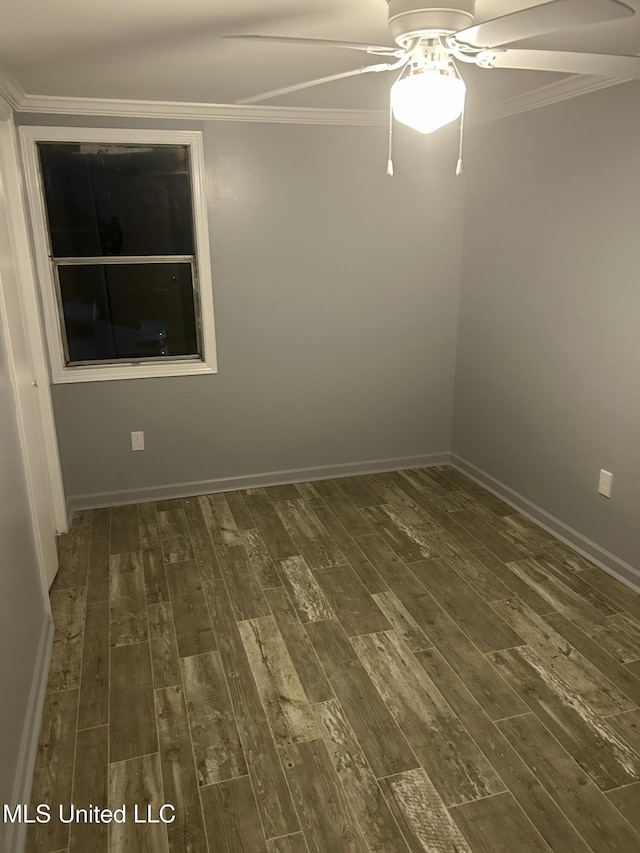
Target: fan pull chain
x,y
390,160
460,164
405,65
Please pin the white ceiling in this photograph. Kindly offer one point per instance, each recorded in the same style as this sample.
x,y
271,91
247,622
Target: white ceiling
x,y
163,50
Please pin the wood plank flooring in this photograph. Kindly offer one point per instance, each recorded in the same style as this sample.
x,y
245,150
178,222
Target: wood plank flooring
x,y
394,663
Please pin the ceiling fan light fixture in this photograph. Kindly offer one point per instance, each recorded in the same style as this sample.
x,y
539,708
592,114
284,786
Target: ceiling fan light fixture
x,y
428,99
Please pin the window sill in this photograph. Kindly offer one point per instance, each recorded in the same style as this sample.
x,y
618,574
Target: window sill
x,y
146,370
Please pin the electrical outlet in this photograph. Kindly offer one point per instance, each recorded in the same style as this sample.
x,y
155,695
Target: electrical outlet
x,y
137,440
605,483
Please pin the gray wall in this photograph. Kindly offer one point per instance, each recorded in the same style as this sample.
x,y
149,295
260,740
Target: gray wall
x,y
22,606
336,296
548,370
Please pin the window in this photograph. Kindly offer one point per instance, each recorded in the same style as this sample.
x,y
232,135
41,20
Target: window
x,y
122,251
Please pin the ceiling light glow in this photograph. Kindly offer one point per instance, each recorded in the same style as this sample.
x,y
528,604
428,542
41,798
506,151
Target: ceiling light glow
x,y
428,99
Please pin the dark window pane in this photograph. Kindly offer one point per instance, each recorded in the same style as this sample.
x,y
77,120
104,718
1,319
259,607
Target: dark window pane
x,y
119,199
127,311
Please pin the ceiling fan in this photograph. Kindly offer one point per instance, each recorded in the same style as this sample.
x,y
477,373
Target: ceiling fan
x,y
432,37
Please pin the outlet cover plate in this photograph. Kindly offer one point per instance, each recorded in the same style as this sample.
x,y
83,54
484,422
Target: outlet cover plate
x,y
605,483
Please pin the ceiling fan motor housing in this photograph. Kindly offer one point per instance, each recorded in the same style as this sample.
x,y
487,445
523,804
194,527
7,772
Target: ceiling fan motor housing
x,y
410,19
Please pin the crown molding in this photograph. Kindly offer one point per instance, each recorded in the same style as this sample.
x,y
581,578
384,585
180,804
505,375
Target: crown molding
x,y
21,101
552,93
5,109
11,92
61,105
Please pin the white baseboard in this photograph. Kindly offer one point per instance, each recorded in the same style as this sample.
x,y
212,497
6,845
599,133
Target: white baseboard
x,y
589,549
624,572
17,832
253,481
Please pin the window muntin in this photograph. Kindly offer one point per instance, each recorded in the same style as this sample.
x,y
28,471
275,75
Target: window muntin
x,y
126,258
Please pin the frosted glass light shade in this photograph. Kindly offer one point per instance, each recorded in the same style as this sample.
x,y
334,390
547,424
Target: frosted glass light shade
x,y
427,100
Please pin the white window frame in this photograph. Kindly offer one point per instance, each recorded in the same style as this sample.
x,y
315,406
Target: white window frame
x,y
60,372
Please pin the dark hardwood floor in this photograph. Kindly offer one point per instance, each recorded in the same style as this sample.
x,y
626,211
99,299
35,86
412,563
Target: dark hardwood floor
x,y
381,664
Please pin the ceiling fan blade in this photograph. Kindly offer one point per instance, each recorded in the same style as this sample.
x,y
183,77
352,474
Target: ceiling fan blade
x,y
567,62
376,49
539,20
298,87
